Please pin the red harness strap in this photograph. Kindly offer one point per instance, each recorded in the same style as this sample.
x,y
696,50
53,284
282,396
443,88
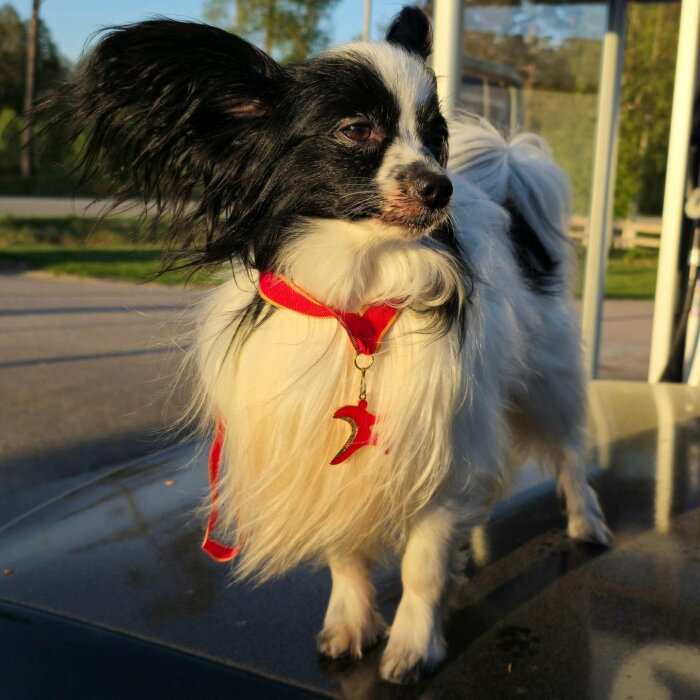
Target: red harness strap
x,y
365,330
216,550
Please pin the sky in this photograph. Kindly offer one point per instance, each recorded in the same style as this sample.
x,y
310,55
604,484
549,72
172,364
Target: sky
x,y
73,21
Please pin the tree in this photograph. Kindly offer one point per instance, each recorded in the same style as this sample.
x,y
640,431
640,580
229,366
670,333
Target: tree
x,y
289,30
50,67
30,91
645,107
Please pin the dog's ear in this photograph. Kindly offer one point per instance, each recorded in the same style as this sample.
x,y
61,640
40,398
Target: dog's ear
x,y
166,81
411,30
170,110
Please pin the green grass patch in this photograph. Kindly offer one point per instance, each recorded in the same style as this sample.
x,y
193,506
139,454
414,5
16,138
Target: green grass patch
x,y
93,248
631,274
128,264
113,249
73,231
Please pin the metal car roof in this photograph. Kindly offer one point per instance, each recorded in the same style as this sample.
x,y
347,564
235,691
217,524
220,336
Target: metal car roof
x,y
541,617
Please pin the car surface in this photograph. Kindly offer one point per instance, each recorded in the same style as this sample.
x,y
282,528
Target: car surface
x,y
104,592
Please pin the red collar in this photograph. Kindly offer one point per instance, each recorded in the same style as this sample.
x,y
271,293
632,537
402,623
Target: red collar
x,y
365,330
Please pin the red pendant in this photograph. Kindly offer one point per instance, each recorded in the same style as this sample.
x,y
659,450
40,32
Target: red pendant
x,y
361,422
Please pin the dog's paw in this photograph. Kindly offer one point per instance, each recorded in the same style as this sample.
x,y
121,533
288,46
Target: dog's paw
x,y
588,523
592,530
344,638
405,658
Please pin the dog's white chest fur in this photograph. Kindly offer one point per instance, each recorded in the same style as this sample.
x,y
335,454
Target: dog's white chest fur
x,y
278,390
277,393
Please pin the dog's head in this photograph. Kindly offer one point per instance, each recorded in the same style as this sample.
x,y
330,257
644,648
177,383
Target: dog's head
x,y
370,116
238,148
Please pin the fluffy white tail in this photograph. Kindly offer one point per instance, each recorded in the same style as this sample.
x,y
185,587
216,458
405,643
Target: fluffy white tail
x,y
519,175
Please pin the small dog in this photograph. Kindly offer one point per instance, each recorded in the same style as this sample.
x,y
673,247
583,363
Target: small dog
x,y
426,307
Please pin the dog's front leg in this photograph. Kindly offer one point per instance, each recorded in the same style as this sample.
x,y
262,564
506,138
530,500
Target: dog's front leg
x,y
416,641
585,516
351,623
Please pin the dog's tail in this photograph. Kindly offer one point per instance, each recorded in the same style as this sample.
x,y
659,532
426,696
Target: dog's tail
x,y
521,176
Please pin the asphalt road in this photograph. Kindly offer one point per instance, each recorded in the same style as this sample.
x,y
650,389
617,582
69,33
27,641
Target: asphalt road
x,y
87,370
625,339
86,376
47,207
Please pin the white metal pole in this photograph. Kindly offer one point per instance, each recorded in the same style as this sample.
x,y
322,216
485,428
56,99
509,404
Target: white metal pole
x,y
674,193
367,20
603,188
447,52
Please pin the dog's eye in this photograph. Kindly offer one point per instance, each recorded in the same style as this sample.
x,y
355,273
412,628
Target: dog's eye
x,y
359,132
436,140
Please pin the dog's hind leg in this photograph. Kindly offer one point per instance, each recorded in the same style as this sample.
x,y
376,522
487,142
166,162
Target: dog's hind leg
x,y
352,623
416,641
585,516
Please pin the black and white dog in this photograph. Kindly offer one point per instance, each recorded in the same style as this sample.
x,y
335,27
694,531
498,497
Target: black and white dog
x,y
359,258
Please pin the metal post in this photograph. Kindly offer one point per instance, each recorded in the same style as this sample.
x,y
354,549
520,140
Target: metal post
x,y
367,21
674,192
603,189
447,52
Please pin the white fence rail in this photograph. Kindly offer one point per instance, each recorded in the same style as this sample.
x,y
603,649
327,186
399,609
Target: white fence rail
x,y
641,232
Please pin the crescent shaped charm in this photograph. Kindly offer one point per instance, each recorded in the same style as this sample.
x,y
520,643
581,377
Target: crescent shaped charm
x,y
361,435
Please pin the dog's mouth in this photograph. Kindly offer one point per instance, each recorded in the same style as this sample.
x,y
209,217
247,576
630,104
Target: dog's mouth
x,y
411,217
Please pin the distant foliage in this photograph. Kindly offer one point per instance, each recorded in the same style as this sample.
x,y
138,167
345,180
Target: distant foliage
x,y
560,85
560,79
572,65
645,117
289,30
51,68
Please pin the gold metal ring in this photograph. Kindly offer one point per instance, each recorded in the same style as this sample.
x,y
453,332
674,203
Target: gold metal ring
x,y
365,361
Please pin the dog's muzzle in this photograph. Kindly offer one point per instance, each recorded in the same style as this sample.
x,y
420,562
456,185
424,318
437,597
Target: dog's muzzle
x,y
433,189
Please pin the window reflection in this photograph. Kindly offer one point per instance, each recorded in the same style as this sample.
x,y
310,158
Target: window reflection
x,y
533,67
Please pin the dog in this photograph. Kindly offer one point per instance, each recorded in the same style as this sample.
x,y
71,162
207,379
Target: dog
x,y
371,285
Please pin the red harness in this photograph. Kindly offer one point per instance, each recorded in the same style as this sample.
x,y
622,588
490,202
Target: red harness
x,y
365,330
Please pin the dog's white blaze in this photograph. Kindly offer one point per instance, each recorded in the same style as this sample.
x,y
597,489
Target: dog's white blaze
x,y
411,84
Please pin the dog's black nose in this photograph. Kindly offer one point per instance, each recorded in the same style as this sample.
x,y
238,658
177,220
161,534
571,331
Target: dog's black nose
x,y
435,190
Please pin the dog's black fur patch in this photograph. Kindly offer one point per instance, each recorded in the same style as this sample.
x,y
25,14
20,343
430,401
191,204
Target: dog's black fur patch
x,y
411,30
233,148
540,270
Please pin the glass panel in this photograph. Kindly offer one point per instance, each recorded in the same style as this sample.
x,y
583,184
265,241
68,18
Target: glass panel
x,y
530,67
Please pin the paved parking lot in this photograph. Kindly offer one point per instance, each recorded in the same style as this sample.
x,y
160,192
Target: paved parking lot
x,y
626,339
86,376
87,371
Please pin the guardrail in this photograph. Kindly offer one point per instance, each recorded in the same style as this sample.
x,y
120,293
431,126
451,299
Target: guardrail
x,y
640,232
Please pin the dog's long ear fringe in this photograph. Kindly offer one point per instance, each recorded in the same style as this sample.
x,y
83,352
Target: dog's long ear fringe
x,y
169,109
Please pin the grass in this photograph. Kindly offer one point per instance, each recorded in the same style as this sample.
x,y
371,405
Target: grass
x,y
87,248
127,264
106,249
631,274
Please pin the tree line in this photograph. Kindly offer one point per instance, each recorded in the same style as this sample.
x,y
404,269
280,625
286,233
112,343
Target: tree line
x,y
292,30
